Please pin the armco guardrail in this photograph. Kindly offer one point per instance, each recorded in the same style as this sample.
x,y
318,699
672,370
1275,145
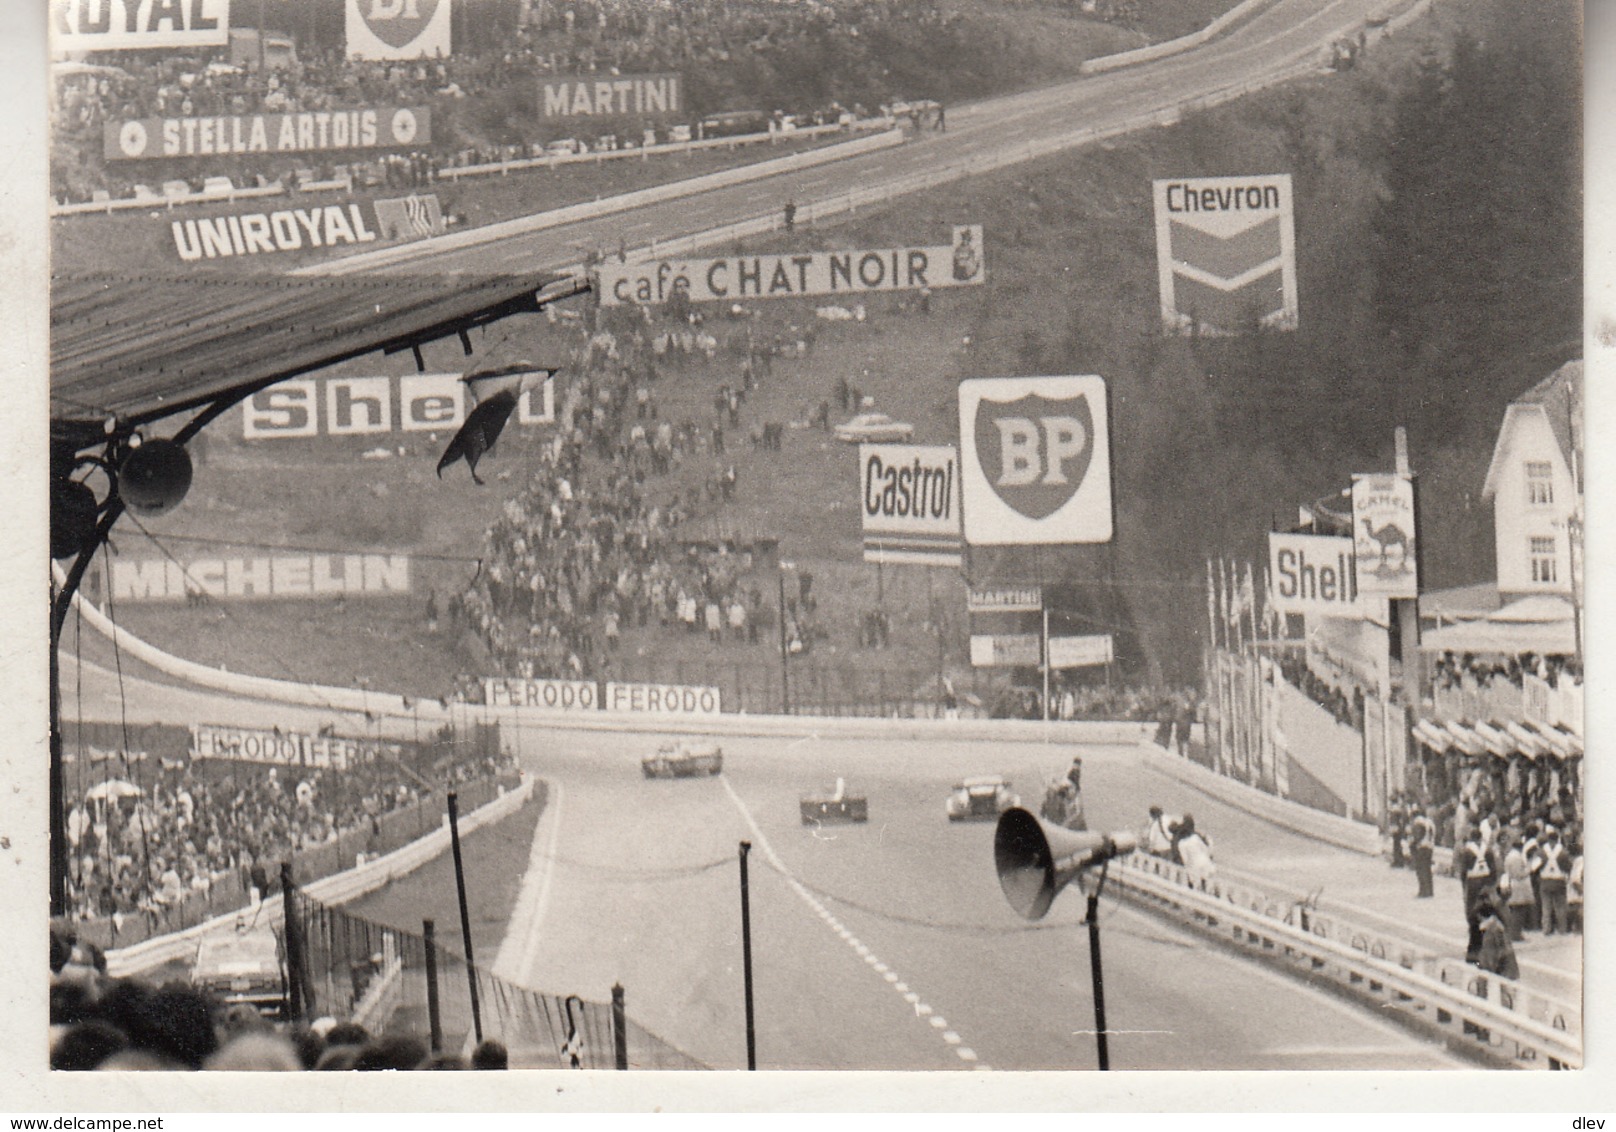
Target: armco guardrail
x,y
1523,1027
1172,46
336,889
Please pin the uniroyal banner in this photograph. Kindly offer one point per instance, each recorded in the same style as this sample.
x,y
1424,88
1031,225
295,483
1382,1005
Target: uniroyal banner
x,y
909,501
586,96
556,695
122,25
309,131
1383,529
1226,253
374,406
260,577
662,699
1035,460
1312,574
398,29
261,233
322,752
850,273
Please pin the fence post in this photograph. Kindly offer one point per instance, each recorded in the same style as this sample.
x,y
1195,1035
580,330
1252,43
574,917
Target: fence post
x,y
619,1027
434,1018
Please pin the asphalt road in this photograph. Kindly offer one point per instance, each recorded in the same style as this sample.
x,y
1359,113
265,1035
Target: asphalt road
x,y
979,132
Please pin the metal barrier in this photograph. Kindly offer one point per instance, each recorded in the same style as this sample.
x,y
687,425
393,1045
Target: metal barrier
x,y
1515,1023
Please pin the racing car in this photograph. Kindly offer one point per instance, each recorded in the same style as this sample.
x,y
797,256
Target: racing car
x,y
683,758
243,966
836,805
980,799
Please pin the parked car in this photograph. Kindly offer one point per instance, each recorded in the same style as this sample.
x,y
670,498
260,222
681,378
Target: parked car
x,y
683,758
244,965
835,805
874,428
565,147
982,798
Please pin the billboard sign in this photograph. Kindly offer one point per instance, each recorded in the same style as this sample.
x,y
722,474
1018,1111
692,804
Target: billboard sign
x,y
1000,650
1383,532
258,233
122,25
374,406
662,699
909,502
282,748
556,695
398,29
1226,253
1035,460
848,274
1080,652
410,218
1018,599
259,577
1313,574
134,139
591,96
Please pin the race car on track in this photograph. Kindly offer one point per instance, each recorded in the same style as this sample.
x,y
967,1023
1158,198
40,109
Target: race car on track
x,y
982,798
683,758
835,805
874,428
243,966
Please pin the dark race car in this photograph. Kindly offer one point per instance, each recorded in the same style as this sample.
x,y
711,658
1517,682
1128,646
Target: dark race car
x,y
835,805
243,966
683,759
982,798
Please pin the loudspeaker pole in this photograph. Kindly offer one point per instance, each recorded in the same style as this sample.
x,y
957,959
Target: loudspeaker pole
x,y
465,913
1093,921
746,957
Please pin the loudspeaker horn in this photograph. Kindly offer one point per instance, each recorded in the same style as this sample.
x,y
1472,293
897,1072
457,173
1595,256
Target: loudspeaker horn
x,y
1036,859
154,477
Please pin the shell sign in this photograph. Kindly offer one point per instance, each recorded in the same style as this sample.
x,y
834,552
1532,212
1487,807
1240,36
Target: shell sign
x,y
398,29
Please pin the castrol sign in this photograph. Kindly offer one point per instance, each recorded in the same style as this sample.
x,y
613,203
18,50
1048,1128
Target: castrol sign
x,y
909,503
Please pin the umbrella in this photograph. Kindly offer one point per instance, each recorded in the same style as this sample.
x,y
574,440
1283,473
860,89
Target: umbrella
x,y
113,788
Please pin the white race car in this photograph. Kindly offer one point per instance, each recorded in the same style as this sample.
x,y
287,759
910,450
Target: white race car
x,y
982,798
683,758
874,428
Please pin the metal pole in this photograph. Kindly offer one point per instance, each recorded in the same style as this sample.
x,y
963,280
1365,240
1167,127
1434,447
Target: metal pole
x,y
785,670
619,1026
465,915
1044,650
297,960
429,933
746,957
1098,979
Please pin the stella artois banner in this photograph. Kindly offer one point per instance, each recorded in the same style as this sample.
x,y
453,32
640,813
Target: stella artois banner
x,y
1035,460
398,29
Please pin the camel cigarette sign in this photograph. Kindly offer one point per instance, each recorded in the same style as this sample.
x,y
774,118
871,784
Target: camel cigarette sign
x,y
1226,253
1383,532
1035,460
849,273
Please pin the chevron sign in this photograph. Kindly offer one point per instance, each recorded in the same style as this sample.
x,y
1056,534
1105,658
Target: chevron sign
x,y
1226,253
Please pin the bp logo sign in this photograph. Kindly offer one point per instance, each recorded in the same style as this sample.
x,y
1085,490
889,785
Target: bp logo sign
x,y
397,29
1035,460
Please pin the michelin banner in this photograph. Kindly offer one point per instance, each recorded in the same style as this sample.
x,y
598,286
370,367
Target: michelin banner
x,y
122,25
849,273
304,132
398,29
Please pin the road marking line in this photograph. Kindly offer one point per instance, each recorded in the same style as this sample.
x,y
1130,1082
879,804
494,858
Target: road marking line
x,y
522,935
966,1053
951,1038
938,1022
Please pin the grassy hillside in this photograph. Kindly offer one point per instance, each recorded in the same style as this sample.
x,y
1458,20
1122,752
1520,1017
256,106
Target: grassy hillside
x,y
1429,313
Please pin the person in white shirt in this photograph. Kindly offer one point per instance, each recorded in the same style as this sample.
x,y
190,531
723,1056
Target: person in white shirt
x,y
1158,836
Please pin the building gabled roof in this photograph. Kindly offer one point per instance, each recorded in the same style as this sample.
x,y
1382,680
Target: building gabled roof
x,y
139,348
1558,400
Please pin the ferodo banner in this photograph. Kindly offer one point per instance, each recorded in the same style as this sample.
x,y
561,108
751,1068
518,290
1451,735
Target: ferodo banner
x,y
258,233
398,29
262,577
374,406
662,699
1035,460
324,752
303,132
850,273
121,25
1226,253
557,695
585,96
909,500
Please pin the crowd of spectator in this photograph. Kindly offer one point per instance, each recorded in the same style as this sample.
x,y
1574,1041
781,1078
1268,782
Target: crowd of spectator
x,y
1173,710
1455,670
1347,708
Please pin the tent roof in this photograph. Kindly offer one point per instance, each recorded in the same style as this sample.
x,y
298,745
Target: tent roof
x,y
1511,638
138,348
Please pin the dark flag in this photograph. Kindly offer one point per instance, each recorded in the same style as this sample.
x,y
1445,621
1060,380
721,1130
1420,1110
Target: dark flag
x,y
496,392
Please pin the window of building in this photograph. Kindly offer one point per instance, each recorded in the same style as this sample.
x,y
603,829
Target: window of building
x,y
1543,560
1539,483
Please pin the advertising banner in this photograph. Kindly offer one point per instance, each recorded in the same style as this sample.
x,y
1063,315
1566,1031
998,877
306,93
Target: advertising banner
x,y
662,699
374,406
1226,253
1383,530
1080,652
262,577
555,695
320,752
1016,650
846,273
398,29
410,218
308,131
1035,460
909,502
1313,574
1019,599
284,230
594,96
123,25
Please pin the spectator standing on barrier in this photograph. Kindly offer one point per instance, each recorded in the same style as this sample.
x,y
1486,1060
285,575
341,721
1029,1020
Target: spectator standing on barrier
x,y
1553,875
1422,846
